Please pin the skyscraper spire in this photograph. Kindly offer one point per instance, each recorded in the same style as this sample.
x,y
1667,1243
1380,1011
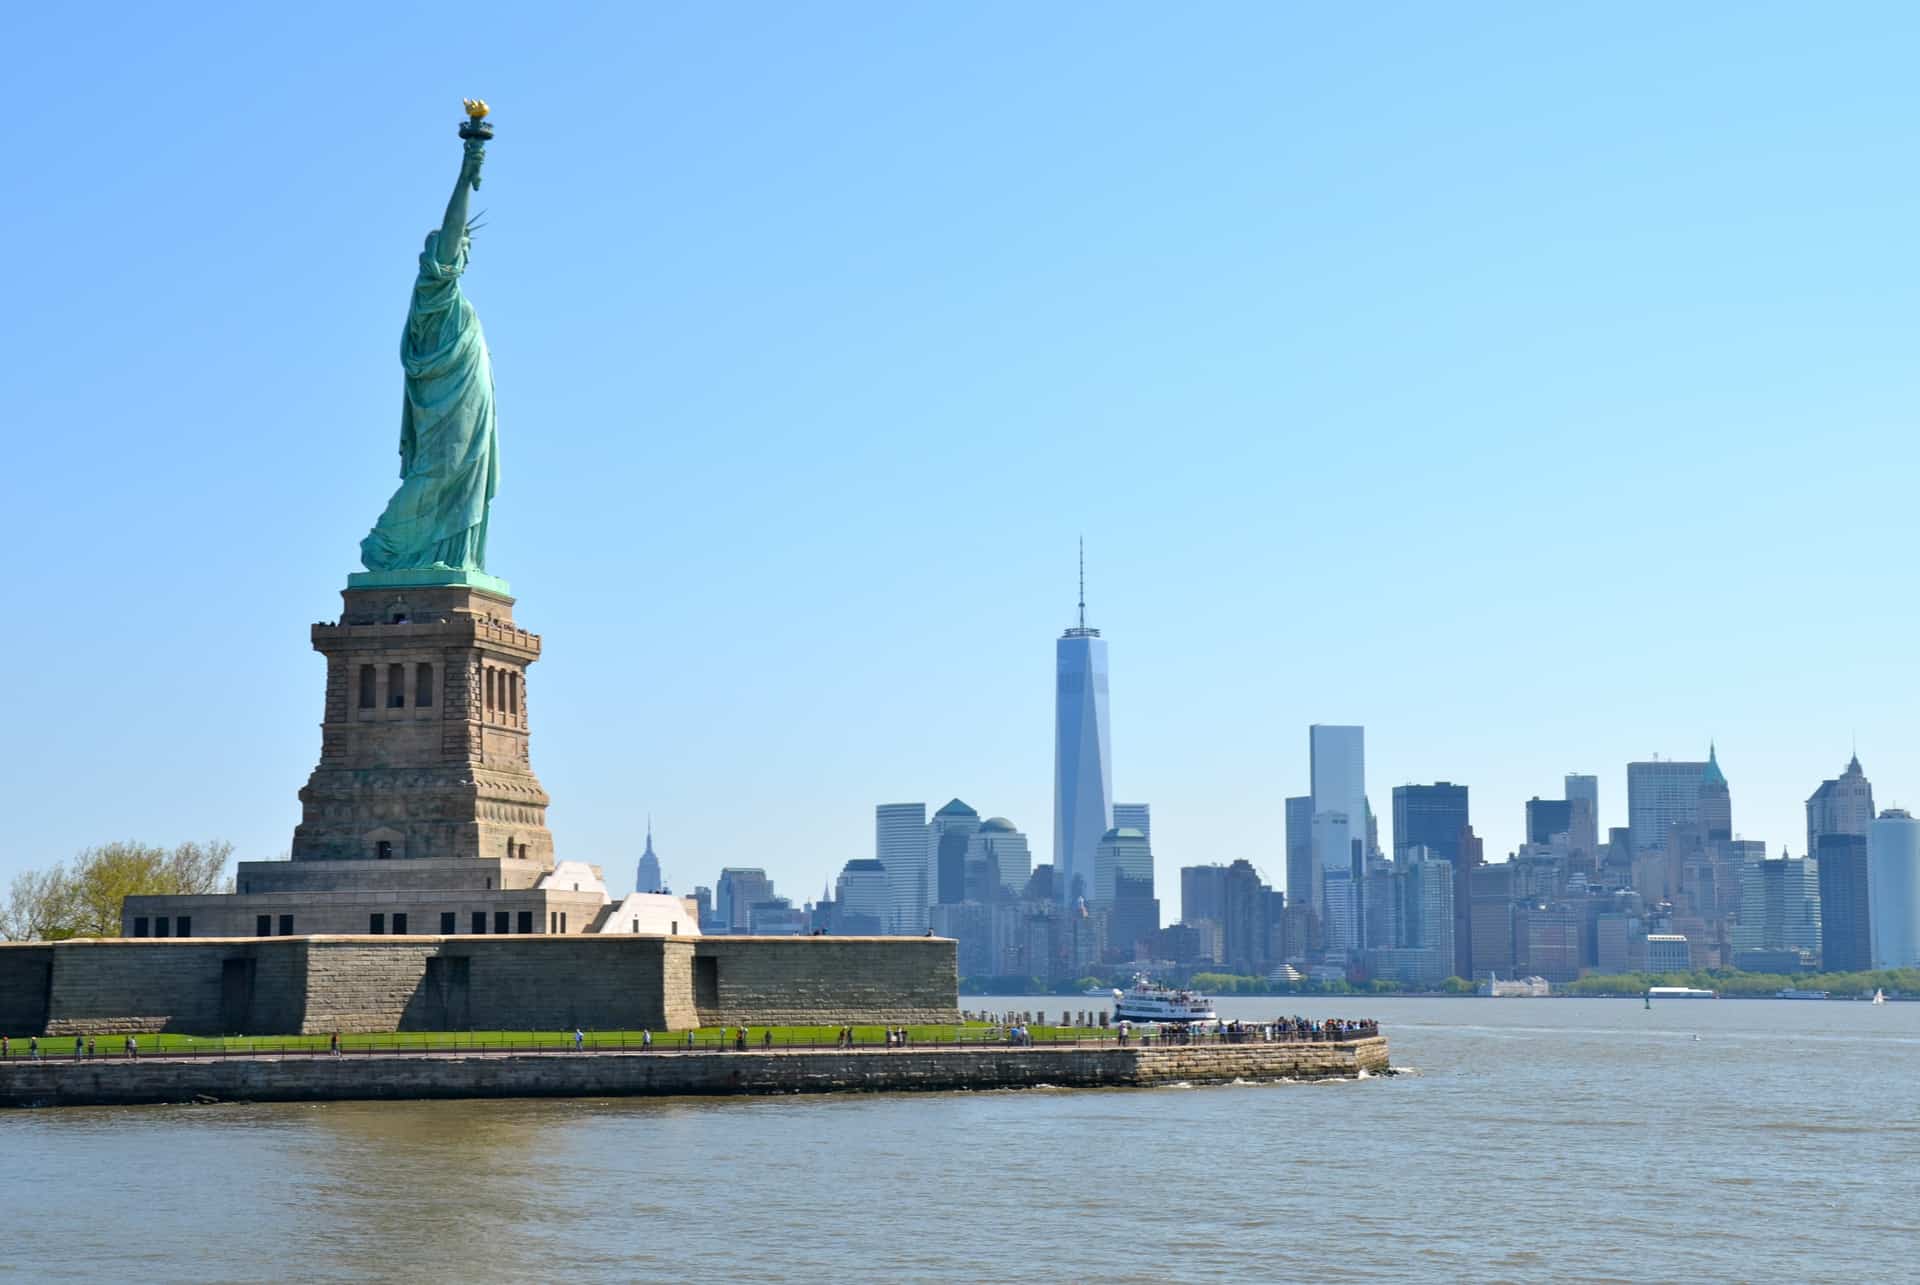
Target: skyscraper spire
x,y
647,878
1083,582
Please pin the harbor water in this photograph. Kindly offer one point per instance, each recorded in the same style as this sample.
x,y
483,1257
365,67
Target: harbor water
x,y
1529,1139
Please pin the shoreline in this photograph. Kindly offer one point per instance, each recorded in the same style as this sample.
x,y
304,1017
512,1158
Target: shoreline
x,y
52,1082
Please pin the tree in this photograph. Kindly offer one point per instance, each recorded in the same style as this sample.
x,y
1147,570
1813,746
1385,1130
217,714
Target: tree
x,y
83,898
39,906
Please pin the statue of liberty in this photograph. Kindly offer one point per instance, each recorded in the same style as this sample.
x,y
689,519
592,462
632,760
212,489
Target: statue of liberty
x,y
449,454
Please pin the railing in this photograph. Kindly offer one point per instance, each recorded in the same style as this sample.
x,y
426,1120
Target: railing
x,y
728,1040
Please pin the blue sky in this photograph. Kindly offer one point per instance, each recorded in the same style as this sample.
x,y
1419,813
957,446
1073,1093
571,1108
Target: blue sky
x,y
1532,384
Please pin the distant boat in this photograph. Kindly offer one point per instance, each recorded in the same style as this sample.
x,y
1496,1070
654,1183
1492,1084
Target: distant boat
x,y
1879,996
1679,992
1791,993
1098,992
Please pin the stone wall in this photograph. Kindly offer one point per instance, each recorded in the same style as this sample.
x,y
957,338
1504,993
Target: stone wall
x,y
202,987
285,985
827,979
487,984
323,1078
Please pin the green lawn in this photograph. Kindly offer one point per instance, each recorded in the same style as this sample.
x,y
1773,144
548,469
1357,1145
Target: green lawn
x,y
57,1047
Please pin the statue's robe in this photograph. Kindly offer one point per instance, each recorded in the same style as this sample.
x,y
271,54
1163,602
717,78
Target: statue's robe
x,y
449,455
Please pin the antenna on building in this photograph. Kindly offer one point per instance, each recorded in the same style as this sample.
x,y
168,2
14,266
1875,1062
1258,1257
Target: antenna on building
x,y
1083,582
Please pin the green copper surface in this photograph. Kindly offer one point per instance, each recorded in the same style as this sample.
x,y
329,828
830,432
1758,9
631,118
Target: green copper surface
x,y
449,452
427,577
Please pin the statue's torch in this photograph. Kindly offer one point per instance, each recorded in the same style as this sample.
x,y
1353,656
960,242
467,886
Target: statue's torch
x,y
476,131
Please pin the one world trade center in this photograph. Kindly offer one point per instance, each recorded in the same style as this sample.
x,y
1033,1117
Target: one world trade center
x,y
1082,759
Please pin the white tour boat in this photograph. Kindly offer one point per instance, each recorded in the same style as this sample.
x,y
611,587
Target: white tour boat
x,y
1145,1002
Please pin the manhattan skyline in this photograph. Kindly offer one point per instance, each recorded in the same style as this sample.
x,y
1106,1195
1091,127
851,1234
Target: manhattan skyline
x,y
1513,420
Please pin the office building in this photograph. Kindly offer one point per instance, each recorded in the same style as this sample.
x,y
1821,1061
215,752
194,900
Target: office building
x,y
1843,805
1547,818
1666,953
1120,852
1583,814
1433,817
1547,940
1340,915
900,845
1245,919
998,847
1340,923
1779,912
1337,762
1716,805
1134,816
1846,923
648,878
1082,754
1661,794
1203,894
1303,883
1420,919
862,895
947,838
737,892
1893,889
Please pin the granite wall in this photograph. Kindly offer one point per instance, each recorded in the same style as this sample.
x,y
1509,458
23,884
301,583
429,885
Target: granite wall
x,y
289,985
322,1078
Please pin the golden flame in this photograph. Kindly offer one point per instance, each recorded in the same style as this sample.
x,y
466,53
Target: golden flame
x,y
476,107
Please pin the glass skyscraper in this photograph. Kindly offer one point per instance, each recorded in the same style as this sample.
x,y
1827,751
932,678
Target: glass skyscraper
x,y
1433,817
1893,888
1303,884
1134,816
1338,765
900,846
1082,757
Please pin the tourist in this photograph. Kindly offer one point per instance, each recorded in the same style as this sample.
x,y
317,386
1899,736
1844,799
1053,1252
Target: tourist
x,y
6,1048
333,1044
93,1049
689,1041
579,1038
646,1040
33,1047
740,1039
133,1048
79,1048
767,1040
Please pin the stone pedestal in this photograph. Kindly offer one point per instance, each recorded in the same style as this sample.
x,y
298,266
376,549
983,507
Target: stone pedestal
x,y
423,750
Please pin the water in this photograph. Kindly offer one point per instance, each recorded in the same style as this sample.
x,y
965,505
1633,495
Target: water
x,y
1536,1140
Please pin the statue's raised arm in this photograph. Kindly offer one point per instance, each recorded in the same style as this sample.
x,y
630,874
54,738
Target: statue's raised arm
x,y
449,463
453,226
